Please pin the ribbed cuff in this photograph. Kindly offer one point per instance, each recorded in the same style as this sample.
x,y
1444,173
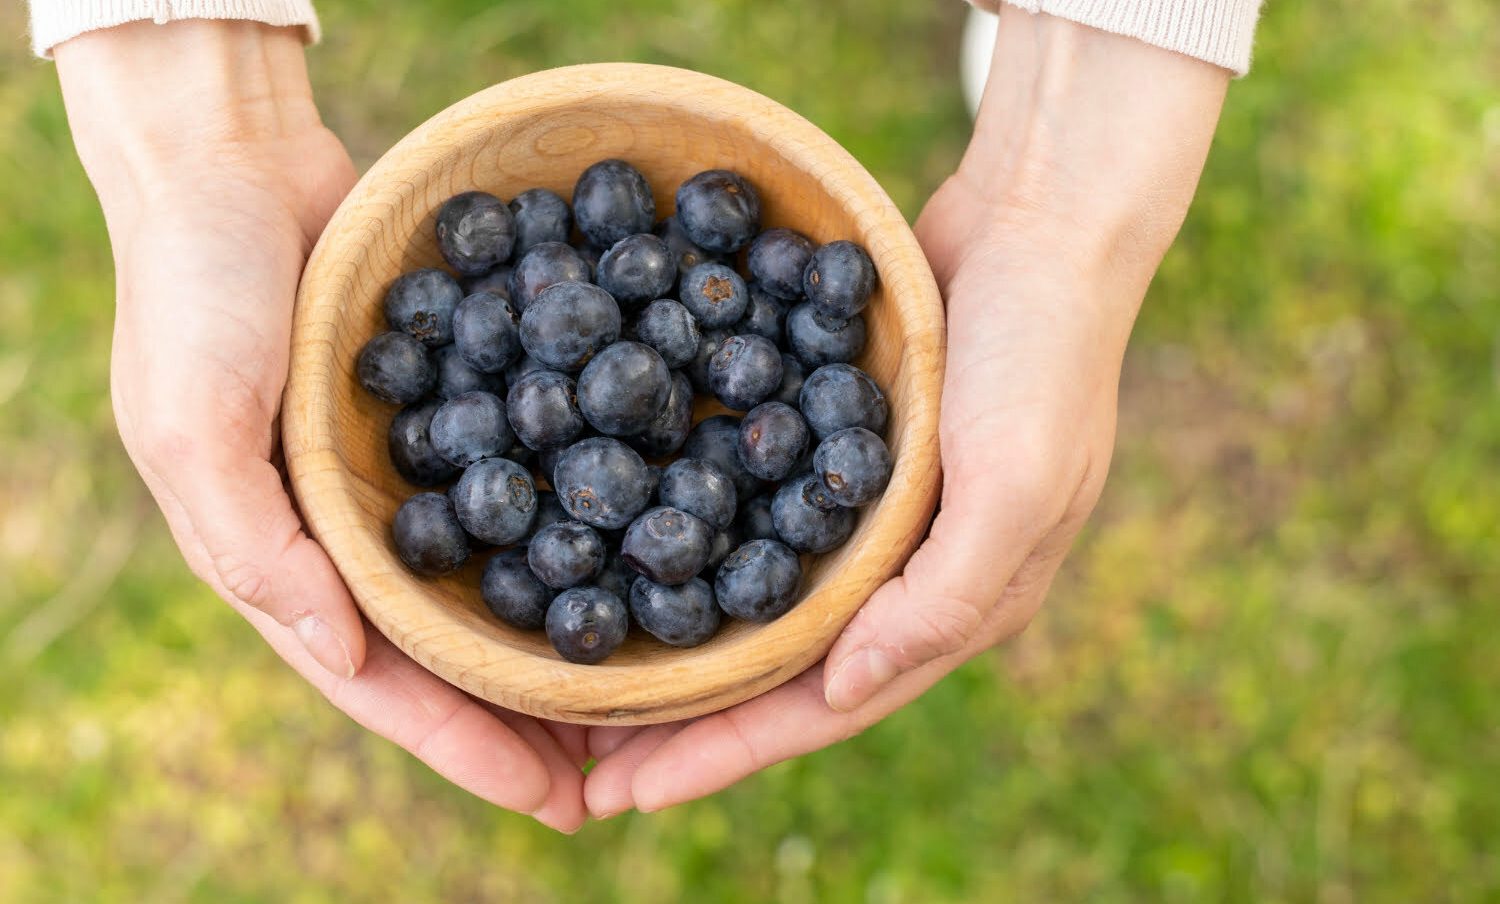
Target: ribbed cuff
x,y
55,21
1215,31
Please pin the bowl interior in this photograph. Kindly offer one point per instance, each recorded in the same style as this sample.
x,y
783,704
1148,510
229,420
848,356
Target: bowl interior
x,y
504,145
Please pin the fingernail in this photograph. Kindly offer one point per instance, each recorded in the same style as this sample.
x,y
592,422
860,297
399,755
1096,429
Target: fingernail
x,y
324,645
858,679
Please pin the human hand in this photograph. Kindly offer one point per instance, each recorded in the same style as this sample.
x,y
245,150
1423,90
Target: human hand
x,y
1084,158
216,177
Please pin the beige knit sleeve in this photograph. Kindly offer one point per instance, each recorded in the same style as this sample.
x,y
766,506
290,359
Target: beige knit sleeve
x,y
55,21
1216,31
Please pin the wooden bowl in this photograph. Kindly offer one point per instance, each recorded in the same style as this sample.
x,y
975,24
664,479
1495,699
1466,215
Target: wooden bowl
x,y
543,130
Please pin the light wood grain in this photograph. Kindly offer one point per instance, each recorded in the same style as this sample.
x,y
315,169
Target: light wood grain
x,y
542,130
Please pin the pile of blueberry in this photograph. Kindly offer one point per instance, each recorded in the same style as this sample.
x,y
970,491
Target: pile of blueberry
x,y
575,366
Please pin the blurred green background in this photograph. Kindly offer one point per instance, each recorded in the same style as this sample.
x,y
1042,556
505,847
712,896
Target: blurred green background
x,y
1269,673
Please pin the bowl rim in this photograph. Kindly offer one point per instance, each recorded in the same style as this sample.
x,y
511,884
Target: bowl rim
x,y
682,685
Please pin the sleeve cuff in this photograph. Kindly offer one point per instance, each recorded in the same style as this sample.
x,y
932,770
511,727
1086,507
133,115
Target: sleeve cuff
x,y
55,21
1220,32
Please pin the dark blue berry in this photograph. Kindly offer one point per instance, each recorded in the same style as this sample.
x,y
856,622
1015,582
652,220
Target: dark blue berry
x,y
513,593
616,576
623,388
725,542
683,616
429,538
566,554
745,371
839,279
697,369
470,427
543,266
666,326
411,450
773,438
495,501
612,200
715,294
684,252
759,581
541,216
495,282
486,330
717,439
455,377
837,396
637,269
396,368
523,365
777,260
586,624
669,429
667,545
549,510
807,519
754,521
698,486
568,324
792,373
719,209
602,482
765,315
421,304
818,340
854,465
543,409
475,231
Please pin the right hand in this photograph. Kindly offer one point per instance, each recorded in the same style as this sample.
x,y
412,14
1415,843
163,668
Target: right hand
x,y
216,177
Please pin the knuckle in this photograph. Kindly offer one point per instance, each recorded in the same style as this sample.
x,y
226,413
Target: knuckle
x,y
945,625
243,581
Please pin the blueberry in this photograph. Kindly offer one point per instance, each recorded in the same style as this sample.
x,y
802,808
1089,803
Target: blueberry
x,y
455,377
854,466
839,279
758,582
697,369
429,539
666,326
541,216
586,624
807,519
396,368
495,501
548,511
777,260
684,252
495,281
745,371
697,486
475,231
765,315
602,482
568,324
669,429
612,200
487,333
566,554
754,521
667,545
411,449
818,340
513,593
523,365
624,388
792,374
719,210
616,577
637,268
543,409
725,542
470,427
544,265
836,396
715,294
683,616
717,439
773,438
421,304
590,256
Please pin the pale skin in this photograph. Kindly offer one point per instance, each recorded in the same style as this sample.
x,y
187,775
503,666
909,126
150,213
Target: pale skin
x,y
216,176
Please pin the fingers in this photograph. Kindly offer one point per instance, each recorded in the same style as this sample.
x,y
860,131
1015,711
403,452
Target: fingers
x,y
607,790
563,809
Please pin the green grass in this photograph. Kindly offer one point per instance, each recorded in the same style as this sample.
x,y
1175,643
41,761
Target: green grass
x,y
1268,673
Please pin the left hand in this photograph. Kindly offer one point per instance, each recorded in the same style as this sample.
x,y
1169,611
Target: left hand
x,y
1082,165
